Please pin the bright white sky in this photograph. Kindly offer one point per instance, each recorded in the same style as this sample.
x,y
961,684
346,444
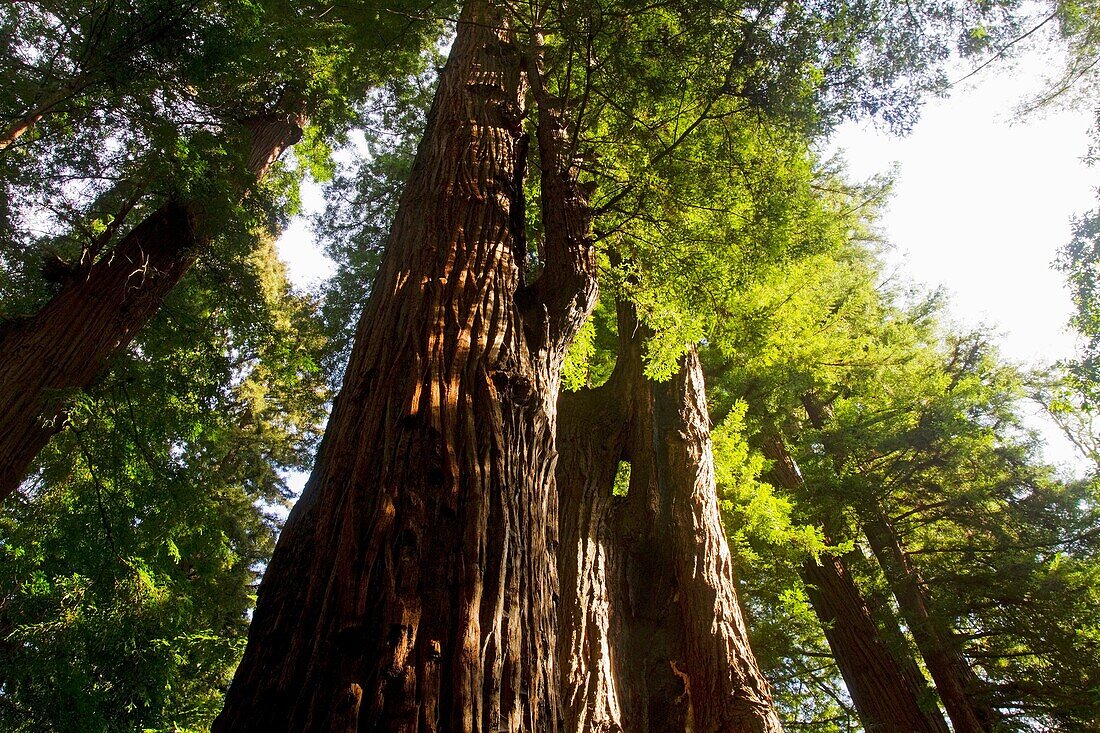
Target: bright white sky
x,y
982,205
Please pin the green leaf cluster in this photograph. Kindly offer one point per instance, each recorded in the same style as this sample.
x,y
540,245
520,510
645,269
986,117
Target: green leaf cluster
x,y
130,558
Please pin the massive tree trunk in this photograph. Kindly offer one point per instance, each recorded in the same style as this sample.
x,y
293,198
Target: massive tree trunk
x,y
888,690
414,585
68,344
652,637
955,680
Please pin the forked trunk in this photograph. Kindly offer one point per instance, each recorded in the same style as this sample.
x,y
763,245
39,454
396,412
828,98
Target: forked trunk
x,y
955,680
889,692
652,637
414,585
68,344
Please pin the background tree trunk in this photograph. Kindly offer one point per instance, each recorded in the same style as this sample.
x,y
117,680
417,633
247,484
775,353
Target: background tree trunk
x,y
68,344
888,690
955,679
414,585
652,636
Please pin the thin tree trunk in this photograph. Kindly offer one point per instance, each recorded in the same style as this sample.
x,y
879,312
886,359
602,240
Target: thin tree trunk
x,y
26,123
414,586
955,679
887,688
652,638
68,344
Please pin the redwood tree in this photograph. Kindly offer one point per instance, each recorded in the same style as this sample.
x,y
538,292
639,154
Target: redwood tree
x,y
887,688
958,685
413,586
956,682
166,120
652,635
68,343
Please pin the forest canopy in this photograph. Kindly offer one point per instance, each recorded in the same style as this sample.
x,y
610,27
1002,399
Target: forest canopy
x,y
613,417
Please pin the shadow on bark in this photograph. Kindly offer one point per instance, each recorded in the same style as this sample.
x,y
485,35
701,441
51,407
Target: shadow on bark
x,y
652,639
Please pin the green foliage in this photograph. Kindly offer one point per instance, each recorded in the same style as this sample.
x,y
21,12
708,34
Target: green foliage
x,y
928,434
693,131
130,558
591,357
1078,27
136,102
760,525
575,370
768,544
1080,260
621,485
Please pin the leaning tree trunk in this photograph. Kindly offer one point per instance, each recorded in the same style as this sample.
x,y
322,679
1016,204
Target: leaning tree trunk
x,y
414,585
17,128
955,680
652,637
68,344
888,690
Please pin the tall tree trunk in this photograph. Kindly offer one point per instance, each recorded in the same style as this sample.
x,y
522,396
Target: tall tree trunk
x,y
68,344
414,585
652,637
955,680
888,690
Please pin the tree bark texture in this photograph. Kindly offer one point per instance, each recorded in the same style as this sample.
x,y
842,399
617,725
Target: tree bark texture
x,y
68,344
414,585
888,690
955,679
652,638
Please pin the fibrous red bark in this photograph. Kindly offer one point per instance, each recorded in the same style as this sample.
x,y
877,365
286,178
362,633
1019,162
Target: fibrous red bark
x,y
652,636
889,692
69,343
414,585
